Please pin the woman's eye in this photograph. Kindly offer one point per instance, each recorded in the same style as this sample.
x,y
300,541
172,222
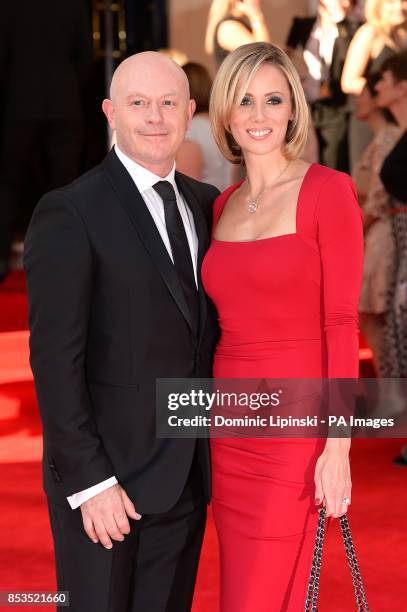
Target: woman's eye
x,y
274,100
245,101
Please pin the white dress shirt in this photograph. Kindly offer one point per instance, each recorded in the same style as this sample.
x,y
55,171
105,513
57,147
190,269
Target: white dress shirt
x,y
318,56
144,181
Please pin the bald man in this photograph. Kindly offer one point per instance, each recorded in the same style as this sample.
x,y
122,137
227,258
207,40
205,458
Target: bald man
x,y
115,299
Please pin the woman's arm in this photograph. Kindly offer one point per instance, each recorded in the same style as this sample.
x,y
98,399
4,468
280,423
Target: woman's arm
x,y
340,238
190,160
232,34
357,59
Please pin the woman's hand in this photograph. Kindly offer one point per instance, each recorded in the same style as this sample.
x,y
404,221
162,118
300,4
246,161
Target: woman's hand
x,y
332,477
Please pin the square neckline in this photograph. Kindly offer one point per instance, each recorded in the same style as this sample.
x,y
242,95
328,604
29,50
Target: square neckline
x,y
304,179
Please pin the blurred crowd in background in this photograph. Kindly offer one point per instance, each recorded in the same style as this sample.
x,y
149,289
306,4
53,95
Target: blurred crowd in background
x,y
352,59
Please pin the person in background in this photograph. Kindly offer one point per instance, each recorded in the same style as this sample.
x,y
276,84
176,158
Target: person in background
x,y
392,94
199,156
232,23
324,41
45,57
311,149
382,35
375,200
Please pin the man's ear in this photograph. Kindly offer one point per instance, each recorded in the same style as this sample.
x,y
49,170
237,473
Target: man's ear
x,y
191,109
108,109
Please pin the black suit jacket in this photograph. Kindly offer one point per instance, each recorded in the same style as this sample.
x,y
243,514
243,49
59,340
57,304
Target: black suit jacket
x,y
107,317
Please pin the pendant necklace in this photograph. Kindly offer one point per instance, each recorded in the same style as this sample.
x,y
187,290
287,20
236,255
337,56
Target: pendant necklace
x,y
254,203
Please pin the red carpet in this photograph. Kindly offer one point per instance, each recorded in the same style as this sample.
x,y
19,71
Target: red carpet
x,y
378,515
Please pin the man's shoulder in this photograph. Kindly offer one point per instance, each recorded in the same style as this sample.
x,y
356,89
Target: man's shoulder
x,y
82,189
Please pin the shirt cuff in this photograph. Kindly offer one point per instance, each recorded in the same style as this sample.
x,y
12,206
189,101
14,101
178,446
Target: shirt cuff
x,y
81,497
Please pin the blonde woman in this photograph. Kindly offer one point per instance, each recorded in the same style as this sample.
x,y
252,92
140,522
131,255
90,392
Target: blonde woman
x,y
383,34
232,23
284,271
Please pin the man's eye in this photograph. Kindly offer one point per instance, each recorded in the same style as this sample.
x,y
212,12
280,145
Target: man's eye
x,y
138,102
168,103
274,100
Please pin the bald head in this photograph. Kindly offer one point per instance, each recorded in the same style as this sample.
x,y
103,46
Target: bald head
x,y
150,109
145,67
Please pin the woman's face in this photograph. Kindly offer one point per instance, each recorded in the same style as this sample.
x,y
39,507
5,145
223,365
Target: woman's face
x,y
259,123
393,12
389,91
366,105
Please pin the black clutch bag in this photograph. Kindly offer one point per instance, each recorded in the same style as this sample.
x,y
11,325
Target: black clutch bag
x,y
311,601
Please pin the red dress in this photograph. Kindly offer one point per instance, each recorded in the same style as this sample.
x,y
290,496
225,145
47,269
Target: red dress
x,y
287,307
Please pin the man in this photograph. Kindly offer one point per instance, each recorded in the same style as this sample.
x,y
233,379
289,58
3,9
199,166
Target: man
x,y
324,41
116,302
45,49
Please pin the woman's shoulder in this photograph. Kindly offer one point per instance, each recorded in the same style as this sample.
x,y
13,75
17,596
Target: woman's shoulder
x,y
331,190
323,175
366,31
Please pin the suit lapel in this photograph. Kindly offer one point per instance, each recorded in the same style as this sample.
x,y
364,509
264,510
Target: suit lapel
x,y
191,199
136,209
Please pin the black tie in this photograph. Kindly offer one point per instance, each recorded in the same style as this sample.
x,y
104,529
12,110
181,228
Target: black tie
x,y
181,252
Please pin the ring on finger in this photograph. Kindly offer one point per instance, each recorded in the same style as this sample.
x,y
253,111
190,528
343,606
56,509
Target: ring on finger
x,y
346,501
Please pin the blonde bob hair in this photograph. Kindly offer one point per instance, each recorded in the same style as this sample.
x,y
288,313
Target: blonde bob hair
x,y
373,15
230,86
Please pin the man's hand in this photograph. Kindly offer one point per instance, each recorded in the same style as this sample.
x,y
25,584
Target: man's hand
x,y
105,516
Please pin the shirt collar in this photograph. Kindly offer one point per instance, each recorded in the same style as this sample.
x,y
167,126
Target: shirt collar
x,y
143,178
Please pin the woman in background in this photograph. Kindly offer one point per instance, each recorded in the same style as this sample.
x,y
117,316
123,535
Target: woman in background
x,y
232,23
283,270
383,35
375,202
392,94
311,149
199,156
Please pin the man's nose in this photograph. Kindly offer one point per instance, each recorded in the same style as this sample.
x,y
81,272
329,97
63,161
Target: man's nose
x,y
155,113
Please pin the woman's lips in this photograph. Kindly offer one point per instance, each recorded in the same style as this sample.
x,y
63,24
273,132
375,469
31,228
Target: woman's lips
x,y
259,134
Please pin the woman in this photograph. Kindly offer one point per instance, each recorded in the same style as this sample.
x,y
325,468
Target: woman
x,y
284,270
392,95
198,156
383,35
232,23
374,199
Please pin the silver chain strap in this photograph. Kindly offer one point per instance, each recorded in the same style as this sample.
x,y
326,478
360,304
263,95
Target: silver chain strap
x,y
311,601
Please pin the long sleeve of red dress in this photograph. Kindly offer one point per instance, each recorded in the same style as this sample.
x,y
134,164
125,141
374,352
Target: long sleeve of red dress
x,y
340,239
